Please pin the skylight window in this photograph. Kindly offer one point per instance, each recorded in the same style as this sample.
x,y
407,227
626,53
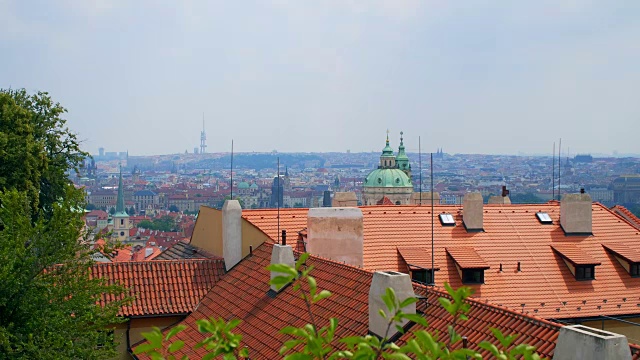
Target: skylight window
x,y
447,220
544,218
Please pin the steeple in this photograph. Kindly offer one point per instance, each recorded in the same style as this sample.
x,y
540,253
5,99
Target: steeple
x,y
387,159
120,210
402,160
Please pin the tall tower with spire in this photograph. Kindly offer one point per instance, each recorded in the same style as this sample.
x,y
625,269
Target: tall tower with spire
x,y
203,138
402,160
120,218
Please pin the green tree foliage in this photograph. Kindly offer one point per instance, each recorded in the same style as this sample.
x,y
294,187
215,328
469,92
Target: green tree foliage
x,y
313,342
48,303
174,208
165,223
36,148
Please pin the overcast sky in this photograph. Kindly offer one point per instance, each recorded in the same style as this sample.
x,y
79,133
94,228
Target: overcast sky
x,y
498,77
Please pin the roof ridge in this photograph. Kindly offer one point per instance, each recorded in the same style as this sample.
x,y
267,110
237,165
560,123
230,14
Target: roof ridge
x,y
329,261
491,306
159,261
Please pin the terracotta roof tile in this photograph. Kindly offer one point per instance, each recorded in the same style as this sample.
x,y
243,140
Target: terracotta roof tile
x,y
182,250
574,255
161,287
631,254
417,257
467,258
627,215
243,293
512,234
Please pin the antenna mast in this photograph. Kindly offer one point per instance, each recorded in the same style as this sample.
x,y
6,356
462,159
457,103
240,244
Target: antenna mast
x,y
433,273
231,169
420,166
559,168
278,198
553,173
203,138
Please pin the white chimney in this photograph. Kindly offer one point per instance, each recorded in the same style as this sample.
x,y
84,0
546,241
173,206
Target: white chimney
x,y
576,214
231,233
585,343
281,254
337,234
401,285
472,211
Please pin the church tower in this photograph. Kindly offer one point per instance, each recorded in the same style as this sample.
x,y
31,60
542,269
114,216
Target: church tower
x,y
387,159
402,160
120,218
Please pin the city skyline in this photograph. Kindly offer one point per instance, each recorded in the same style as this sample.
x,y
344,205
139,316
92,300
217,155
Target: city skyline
x,y
493,78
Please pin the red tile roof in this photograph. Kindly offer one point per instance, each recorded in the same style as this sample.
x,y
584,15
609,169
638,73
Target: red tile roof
x,y
512,234
624,251
243,293
627,215
161,287
466,258
574,255
385,201
417,257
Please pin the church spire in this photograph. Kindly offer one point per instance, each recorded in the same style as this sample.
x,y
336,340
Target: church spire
x,y
402,160
120,202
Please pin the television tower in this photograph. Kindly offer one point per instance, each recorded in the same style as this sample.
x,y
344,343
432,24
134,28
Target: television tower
x,y
203,137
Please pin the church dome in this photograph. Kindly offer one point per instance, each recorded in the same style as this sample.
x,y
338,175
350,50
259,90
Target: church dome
x,y
387,178
243,185
254,186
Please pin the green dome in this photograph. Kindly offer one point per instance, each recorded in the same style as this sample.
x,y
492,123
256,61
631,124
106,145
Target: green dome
x,y
243,185
254,186
387,178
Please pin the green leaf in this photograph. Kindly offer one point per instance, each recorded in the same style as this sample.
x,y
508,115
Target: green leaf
x,y
301,260
179,344
283,268
176,329
322,295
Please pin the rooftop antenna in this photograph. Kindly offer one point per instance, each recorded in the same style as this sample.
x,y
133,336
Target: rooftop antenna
x,y
553,173
231,169
420,166
433,273
278,199
559,167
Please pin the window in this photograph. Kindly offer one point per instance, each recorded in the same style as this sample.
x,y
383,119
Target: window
x,y
472,276
634,269
121,233
121,221
447,220
422,276
544,218
585,272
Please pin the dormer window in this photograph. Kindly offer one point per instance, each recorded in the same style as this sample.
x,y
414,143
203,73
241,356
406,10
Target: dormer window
x,y
581,265
469,264
544,218
629,258
447,220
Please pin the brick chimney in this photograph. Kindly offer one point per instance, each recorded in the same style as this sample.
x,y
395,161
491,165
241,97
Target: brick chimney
x,y
472,211
281,254
336,233
231,233
585,343
576,214
401,285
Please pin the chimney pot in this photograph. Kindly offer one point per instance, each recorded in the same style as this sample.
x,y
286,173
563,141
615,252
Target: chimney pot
x,y
281,254
401,285
582,342
231,233
576,214
284,237
472,211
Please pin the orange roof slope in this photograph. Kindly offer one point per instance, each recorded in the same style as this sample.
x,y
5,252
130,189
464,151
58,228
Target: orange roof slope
x,y
627,215
417,257
575,256
243,293
624,251
512,234
161,287
467,258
